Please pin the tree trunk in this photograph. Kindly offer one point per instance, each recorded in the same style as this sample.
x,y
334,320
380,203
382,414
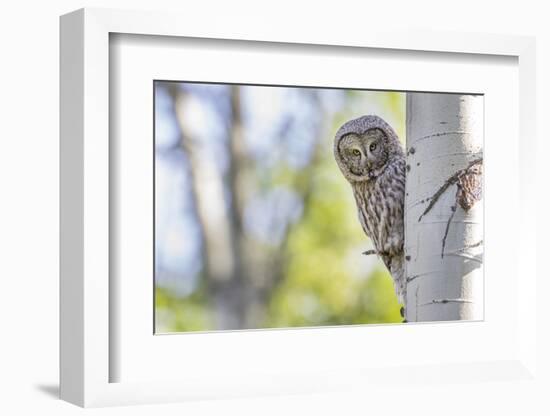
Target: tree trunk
x,y
444,207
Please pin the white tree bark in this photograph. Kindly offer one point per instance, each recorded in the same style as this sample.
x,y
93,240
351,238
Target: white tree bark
x,y
443,207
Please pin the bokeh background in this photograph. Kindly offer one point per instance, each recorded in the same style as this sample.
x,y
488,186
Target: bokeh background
x,y
255,227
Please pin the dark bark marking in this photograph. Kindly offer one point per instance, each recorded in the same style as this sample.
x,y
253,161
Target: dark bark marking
x,y
453,209
472,187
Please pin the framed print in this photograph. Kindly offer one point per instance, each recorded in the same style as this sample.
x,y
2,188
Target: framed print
x,y
218,241
252,217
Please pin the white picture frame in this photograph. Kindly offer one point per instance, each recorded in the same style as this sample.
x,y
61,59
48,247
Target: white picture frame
x,y
87,304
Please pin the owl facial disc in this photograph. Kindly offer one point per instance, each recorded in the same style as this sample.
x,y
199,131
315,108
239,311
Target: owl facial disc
x,y
364,146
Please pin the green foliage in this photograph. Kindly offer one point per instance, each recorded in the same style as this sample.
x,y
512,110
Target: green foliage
x,y
324,282
179,314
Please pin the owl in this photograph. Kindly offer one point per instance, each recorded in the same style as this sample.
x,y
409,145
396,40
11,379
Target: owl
x,y
369,154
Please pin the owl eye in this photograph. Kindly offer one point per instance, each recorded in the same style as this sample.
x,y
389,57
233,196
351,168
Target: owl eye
x,y
372,147
356,152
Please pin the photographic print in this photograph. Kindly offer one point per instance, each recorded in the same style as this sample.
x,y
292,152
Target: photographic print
x,y
285,207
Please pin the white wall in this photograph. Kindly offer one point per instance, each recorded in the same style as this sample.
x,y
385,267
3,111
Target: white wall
x,y
29,209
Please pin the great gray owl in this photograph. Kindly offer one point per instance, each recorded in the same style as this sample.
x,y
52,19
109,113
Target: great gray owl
x,y
371,158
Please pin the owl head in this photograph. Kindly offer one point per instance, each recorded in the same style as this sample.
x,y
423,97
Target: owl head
x,y
364,147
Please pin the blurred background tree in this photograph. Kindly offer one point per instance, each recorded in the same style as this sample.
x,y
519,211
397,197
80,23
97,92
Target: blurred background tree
x,y
255,227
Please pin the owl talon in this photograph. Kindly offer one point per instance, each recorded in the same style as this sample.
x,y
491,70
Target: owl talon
x,y
380,253
405,321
